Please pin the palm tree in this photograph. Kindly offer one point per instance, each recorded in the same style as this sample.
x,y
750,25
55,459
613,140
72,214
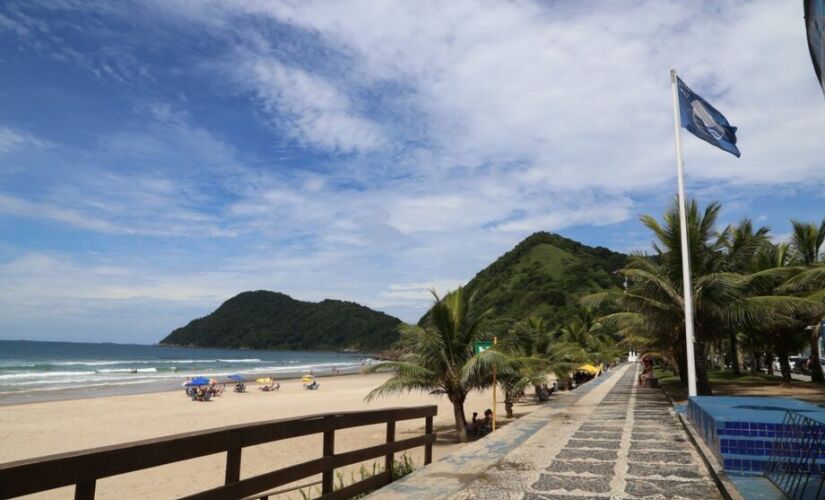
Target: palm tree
x,y
522,372
806,241
743,243
653,306
442,360
529,338
595,339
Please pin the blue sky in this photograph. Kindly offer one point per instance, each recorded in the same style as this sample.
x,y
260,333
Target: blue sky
x,y
158,157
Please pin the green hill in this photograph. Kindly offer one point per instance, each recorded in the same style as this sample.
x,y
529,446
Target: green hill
x,y
544,275
271,320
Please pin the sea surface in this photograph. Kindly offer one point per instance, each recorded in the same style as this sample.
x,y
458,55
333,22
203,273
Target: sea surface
x,y
42,371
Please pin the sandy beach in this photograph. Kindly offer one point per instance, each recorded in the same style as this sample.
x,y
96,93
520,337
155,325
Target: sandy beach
x,y
32,430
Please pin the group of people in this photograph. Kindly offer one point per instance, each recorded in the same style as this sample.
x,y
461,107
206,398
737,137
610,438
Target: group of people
x,y
481,427
271,386
204,392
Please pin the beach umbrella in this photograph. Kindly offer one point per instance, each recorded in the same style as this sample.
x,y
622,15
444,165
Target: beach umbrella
x,y
264,380
307,378
197,381
590,369
237,378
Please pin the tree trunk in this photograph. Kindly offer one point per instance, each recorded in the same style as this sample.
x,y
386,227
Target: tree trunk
x,y
769,362
681,362
508,404
785,365
721,353
734,353
702,380
816,366
460,420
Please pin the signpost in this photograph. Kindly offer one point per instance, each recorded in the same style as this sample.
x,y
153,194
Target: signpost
x,y
478,348
821,339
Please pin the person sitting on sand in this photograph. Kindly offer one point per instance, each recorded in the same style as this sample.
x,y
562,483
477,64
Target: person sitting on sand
x,y
486,425
473,426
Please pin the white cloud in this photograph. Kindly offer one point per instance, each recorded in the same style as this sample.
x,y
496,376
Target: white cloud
x,y
580,91
310,108
405,293
12,139
438,135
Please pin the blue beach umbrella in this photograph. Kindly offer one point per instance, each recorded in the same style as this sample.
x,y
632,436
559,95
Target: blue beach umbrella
x,y
197,381
237,378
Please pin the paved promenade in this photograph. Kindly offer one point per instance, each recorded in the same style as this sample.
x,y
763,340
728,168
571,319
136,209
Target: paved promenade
x,y
617,441
628,445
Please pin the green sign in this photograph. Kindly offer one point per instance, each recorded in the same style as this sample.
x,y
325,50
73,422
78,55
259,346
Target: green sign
x,y
480,347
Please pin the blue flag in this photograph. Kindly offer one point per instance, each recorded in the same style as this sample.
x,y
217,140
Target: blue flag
x,y
704,121
815,24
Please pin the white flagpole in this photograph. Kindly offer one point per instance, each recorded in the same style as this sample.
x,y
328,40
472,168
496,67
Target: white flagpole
x,y
677,127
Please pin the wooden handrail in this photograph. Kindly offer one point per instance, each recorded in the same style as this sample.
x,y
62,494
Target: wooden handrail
x,y
84,468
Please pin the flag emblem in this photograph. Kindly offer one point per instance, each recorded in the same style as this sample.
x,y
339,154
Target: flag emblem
x,y
704,121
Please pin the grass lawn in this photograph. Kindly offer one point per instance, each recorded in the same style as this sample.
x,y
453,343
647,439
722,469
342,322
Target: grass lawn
x,y
725,383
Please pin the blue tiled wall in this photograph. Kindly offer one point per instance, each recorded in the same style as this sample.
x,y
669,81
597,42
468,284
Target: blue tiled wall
x,y
741,431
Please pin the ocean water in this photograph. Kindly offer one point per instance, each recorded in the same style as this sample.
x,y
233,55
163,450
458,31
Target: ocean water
x,y
39,371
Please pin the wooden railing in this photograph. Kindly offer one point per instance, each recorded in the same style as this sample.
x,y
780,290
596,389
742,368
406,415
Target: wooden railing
x,y
84,468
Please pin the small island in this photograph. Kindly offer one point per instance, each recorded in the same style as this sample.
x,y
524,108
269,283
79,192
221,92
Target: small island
x,y
270,320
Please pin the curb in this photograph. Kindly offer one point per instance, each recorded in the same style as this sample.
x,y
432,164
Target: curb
x,y
453,472
723,484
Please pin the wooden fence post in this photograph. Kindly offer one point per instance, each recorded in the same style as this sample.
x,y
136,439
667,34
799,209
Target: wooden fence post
x,y
389,461
428,448
233,465
327,477
84,491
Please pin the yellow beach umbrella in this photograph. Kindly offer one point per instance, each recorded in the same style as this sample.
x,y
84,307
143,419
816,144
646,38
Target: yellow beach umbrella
x,y
588,368
307,378
264,380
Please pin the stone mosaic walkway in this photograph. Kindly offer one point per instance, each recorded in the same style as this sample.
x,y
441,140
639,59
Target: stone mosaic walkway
x,y
623,442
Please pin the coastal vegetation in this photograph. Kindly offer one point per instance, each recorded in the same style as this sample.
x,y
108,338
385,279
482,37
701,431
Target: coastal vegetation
x,y
543,276
528,301
554,304
747,291
442,361
271,320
